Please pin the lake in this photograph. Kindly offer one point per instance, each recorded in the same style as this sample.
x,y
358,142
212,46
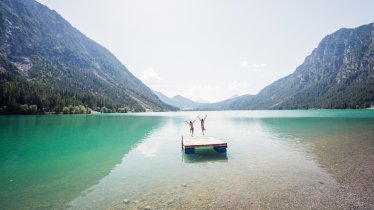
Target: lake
x,y
312,159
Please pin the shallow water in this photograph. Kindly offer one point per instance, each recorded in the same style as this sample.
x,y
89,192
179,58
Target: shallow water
x,y
275,159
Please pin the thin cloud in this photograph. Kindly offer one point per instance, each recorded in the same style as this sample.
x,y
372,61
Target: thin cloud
x,y
259,65
244,63
150,75
238,86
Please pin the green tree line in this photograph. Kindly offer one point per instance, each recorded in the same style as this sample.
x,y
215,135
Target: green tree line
x,y
19,96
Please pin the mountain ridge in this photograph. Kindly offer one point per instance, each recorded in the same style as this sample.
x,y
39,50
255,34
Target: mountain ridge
x,y
47,50
178,101
338,74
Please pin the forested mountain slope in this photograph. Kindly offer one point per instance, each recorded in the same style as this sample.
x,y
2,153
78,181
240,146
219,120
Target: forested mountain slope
x,y
60,66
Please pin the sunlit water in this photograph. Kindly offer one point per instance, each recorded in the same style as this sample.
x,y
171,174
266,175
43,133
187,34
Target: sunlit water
x,y
321,159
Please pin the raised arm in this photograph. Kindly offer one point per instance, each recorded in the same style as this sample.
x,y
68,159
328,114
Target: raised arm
x,y
205,117
198,117
187,122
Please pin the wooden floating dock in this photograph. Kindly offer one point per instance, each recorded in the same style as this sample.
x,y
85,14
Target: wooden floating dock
x,y
189,144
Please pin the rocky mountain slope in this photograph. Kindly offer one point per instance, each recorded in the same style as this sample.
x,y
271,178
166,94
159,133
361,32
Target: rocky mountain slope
x,y
39,49
339,73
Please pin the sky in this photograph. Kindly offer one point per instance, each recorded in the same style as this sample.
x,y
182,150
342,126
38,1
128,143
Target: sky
x,y
211,50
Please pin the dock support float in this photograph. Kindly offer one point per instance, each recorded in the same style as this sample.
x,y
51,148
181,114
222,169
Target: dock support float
x,y
189,145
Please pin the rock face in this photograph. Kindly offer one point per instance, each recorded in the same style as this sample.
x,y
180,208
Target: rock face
x,y
338,74
38,45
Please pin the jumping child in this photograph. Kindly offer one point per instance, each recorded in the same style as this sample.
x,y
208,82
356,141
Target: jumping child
x,y
202,121
191,126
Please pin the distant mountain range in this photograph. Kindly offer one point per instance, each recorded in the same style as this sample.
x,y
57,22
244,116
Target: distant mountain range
x,y
179,101
47,63
339,74
187,104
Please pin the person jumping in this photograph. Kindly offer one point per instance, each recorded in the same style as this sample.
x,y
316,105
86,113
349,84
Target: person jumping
x,y
191,126
202,121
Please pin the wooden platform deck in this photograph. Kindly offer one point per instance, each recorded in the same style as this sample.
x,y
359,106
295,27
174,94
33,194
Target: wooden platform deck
x,y
189,144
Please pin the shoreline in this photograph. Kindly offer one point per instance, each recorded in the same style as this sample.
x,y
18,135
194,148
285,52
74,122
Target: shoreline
x,y
96,112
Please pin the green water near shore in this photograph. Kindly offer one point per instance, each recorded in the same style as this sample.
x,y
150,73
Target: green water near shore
x,y
314,158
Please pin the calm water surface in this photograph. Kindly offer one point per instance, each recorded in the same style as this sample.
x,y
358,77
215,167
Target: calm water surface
x,y
320,159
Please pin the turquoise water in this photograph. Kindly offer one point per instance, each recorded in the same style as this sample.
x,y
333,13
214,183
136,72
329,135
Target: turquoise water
x,y
275,159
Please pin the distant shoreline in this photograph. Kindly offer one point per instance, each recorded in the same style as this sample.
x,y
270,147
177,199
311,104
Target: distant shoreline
x,y
96,112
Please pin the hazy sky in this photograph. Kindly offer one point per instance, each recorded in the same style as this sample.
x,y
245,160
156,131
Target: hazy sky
x,y
211,49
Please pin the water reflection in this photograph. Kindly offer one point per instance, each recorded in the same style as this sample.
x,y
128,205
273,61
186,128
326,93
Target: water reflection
x,y
40,154
204,155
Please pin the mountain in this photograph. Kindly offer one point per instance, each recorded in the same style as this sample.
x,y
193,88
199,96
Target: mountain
x,y
338,74
184,102
179,101
60,66
232,103
165,99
